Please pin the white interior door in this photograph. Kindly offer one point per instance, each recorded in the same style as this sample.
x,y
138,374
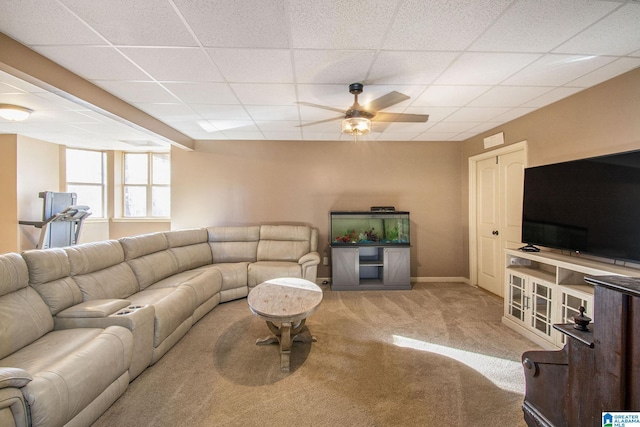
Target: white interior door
x,y
511,191
487,190
498,215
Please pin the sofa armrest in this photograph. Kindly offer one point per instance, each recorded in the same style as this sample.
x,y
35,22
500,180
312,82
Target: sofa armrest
x,y
14,377
94,308
13,408
312,258
139,319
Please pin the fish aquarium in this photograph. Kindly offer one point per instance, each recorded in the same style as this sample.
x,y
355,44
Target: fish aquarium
x,y
351,228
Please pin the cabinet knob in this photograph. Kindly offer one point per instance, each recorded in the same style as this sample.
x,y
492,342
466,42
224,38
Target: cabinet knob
x,y
495,232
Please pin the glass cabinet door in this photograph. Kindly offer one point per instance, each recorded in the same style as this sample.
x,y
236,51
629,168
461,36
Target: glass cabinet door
x,y
570,303
541,306
517,297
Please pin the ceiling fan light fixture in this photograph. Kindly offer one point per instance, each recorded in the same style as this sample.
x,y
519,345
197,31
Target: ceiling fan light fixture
x,y
356,126
14,113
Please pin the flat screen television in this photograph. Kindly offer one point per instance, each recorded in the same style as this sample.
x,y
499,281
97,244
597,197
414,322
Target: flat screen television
x,y
590,206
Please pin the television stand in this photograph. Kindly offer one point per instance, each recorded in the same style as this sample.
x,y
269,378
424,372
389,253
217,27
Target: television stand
x,y
529,248
545,288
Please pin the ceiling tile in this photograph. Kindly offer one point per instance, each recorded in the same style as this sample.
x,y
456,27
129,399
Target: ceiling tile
x,y
279,126
243,135
436,114
448,126
475,114
283,136
557,70
281,112
137,91
551,97
265,94
438,25
232,23
140,18
203,93
409,67
222,112
335,24
616,34
34,22
327,66
449,96
485,68
407,127
106,64
254,65
435,136
512,114
168,64
508,96
540,25
606,72
168,111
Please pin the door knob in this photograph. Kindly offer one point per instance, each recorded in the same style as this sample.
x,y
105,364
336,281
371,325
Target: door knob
x,y
495,232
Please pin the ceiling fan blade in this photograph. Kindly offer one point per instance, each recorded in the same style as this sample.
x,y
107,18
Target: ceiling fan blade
x,y
321,121
399,117
385,101
324,107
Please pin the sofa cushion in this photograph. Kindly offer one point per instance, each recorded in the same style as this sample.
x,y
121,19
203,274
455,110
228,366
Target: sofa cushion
x,y
116,282
49,275
234,275
149,258
192,256
24,316
262,271
234,244
205,282
172,307
137,246
179,238
13,273
152,268
70,368
90,257
283,242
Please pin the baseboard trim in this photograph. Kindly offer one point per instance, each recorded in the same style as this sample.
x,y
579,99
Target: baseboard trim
x,y
320,280
441,279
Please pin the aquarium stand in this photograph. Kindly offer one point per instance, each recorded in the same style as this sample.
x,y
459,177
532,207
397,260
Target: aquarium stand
x,y
370,250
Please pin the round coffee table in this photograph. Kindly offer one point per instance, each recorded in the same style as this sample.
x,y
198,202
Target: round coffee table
x,y
285,303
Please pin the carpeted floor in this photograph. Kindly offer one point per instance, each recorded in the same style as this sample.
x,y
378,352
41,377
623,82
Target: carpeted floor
x,y
432,356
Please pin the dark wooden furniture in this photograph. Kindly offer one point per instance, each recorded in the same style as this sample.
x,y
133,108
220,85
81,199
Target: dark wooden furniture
x,y
597,370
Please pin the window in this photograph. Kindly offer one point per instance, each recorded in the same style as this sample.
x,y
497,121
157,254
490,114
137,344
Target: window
x,y
147,191
85,176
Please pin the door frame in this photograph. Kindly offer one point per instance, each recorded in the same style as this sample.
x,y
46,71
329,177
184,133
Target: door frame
x,y
473,214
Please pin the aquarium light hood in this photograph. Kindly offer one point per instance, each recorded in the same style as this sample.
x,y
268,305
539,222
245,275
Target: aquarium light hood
x,y
356,126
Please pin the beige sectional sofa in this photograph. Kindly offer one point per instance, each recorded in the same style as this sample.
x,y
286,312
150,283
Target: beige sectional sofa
x,y
77,324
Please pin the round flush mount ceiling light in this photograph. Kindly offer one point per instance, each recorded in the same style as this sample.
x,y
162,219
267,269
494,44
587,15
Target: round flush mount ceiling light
x,y
14,113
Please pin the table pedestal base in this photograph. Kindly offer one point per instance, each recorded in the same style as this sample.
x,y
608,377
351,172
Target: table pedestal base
x,y
285,334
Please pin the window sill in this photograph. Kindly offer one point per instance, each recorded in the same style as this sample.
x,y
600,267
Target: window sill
x,y
139,219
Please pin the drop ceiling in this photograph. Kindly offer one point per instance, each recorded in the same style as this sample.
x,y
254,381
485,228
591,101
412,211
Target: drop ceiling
x,y
236,70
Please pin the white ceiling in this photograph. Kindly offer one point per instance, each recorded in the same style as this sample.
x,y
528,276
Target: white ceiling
x,y
240,67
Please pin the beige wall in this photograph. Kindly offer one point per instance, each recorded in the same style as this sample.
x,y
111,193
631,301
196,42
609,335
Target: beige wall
x,y
257,182
8,195
37,170
601,120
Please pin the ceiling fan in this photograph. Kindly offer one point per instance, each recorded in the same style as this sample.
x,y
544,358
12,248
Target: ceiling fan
x,y
356,120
